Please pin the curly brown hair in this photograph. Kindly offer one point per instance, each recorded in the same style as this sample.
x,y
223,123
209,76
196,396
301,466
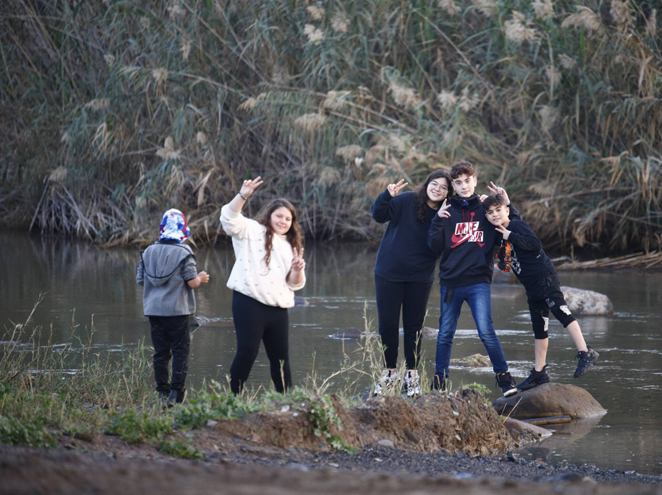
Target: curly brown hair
x,y
294,236
461,168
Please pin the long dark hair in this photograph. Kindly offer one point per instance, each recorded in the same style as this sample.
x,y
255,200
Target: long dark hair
x,y
422,192
294,236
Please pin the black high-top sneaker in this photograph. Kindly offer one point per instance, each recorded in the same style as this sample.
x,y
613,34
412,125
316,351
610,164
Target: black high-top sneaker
x,y
534,379
506,383
586,361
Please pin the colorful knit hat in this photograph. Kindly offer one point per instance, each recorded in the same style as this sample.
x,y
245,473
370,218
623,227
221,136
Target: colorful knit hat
x,y
174,226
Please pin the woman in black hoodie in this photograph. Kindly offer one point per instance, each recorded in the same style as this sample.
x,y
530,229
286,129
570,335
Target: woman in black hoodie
x,y
404,271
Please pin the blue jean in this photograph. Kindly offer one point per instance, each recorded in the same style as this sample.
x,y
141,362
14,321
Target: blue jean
x,y
478,298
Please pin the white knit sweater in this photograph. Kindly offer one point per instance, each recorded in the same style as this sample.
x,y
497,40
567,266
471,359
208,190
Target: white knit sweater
x,y
250,274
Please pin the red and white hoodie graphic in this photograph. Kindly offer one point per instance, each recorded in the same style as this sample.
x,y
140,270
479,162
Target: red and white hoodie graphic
x,y
467,231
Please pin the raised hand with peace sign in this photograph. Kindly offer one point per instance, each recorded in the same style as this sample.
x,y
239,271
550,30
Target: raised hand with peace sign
x,y
394,189
494,189
443,210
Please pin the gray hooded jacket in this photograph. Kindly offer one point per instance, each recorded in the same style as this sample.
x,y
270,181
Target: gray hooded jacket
x,y
163,271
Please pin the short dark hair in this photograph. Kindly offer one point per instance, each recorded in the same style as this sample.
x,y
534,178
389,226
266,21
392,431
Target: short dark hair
x,y
494,200
461,168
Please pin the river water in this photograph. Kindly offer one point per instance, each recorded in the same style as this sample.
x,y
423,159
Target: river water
x,y
89,284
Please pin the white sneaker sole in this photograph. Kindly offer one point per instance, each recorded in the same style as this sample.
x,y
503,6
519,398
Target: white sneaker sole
x,y
510,392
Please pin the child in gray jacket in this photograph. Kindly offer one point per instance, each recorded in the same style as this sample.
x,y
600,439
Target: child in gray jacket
x,y
169,274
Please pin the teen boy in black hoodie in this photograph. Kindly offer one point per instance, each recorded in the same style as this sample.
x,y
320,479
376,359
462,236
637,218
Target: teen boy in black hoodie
x,y
521,251
465,239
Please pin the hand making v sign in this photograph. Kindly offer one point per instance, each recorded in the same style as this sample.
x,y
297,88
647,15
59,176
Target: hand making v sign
x,y
443,210
494,189
394,189
298,264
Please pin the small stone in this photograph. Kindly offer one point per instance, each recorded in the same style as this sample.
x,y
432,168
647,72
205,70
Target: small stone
x,y
511,456
386,443
300,467
411,436
211,423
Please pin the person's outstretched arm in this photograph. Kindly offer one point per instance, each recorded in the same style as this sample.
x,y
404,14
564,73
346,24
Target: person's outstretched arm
x,y
233,222
246,191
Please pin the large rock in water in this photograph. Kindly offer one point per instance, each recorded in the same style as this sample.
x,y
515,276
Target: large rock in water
x,y
587,302
550,399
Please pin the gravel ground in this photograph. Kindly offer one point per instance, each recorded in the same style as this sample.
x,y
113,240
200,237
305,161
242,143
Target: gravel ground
x,y
387,460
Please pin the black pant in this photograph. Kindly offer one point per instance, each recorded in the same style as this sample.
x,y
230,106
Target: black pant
x,y
254,321
170,338
413,298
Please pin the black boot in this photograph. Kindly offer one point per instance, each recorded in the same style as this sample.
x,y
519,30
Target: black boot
x,y
175,397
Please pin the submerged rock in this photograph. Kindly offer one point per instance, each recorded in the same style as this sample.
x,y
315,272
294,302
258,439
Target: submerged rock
x,y
348,334
587,302
550,399
473,361
522,431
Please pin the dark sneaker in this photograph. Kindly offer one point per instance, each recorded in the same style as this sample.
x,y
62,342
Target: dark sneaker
x,y
586,361
506,383
175,397
534,379
439,383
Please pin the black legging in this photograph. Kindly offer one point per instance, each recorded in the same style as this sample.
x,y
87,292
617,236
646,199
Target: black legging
x,y
254,321
413,298
171,338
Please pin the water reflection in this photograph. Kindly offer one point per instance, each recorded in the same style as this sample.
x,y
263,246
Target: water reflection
x,y
84,284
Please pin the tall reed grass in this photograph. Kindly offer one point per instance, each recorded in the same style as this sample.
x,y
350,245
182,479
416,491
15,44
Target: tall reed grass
x,y
112,112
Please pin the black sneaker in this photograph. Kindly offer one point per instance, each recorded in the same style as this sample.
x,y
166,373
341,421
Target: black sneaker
x,y
439,383
586,361
506,383
534,379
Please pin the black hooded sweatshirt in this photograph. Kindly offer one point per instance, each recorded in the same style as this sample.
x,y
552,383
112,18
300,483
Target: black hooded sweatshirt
x,y
466,243
529,263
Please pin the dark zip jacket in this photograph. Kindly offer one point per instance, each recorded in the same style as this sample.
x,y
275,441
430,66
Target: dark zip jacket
x,y
466,243
404,255
529,262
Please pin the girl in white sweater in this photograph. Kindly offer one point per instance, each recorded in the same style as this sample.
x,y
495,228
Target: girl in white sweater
x,y
269,267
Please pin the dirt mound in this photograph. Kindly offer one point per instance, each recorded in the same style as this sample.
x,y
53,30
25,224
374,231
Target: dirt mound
x,y
455,422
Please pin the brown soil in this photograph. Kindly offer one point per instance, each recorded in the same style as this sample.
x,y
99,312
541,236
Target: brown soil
x,y
460,422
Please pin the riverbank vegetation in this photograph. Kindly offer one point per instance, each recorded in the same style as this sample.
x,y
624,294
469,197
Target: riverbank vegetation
x,y
112,112
92,397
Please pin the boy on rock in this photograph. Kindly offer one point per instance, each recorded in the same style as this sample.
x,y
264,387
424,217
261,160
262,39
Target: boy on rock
x,y
521,251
